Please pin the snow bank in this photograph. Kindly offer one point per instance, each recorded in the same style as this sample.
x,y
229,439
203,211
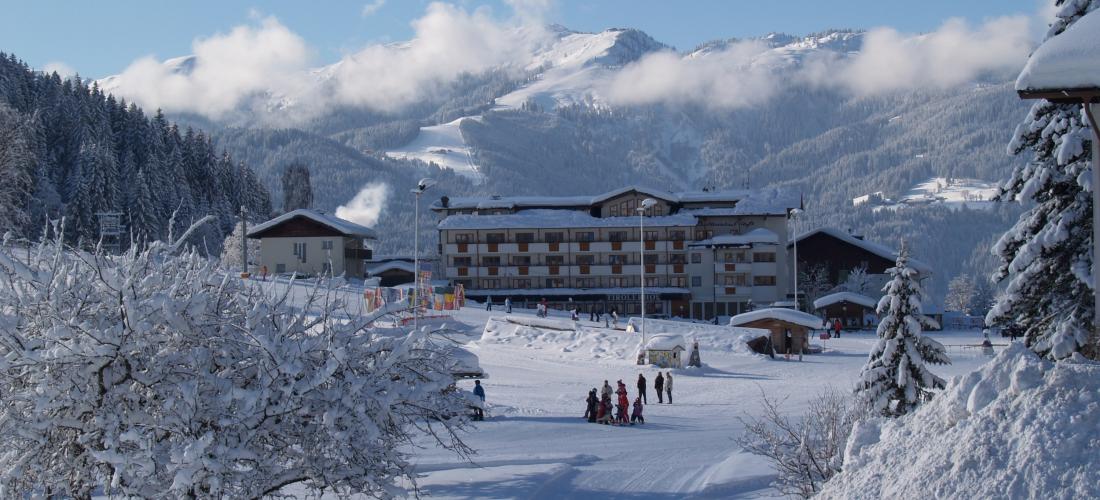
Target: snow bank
x,y
710,337
1066,61
666,342
561,335
781,313
1019,427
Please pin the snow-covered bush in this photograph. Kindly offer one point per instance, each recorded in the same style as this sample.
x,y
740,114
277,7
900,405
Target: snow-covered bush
x,y
231,249
150,374
808,451
895,379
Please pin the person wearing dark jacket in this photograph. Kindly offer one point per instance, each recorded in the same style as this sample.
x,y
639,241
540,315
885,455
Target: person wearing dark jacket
x,y
641,388
636,415
590,407
659,384
479,391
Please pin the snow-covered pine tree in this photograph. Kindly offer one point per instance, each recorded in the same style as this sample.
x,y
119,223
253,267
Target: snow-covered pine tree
x,y
297,189
1047,256
895,379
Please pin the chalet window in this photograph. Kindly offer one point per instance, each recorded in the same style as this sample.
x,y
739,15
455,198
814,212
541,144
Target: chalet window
x,y
521,260
763,257
586,260
280,268
554,237
326,245
494,238
696,281
696,258
763,280
300,251
462,261
701,234
525,237
490,261
614,210
584,236
617,236
676,235
464,238
677,258
556,260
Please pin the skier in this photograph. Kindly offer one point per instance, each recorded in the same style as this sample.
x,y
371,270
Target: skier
x,y
508,305
590,405
479,391
668,386
659,384
641,388
603,414
605,390
836,327
489,303
787,339
624,403
636,416
573,314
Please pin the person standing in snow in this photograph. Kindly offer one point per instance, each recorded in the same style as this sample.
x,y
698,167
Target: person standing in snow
x,y
573,314
614,318
508,305
836,327
479,391
605,390
659,384
592,315
668,386
624,403
641,388
636,416
590,405
489,303
787,343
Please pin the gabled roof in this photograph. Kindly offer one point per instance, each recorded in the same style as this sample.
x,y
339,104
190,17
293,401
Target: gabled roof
x,y
778,313
399,265
760,202
1066,66
875,248
344,227
850,297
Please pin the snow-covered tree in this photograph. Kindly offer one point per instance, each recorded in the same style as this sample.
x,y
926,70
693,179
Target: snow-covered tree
x,y
152,375
961,292
297,188
16,162
231,249
858,281
814,282
895,379
1046,258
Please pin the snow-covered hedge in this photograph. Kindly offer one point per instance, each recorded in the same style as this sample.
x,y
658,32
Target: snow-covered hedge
x,y
150,374
1019,427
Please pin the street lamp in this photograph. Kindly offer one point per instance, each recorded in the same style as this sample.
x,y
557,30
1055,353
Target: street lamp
x,y
795,213
421,186
647,204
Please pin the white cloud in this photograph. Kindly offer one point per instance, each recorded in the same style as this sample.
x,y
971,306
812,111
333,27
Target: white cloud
x,y
366,206
372,7
63,70
225,69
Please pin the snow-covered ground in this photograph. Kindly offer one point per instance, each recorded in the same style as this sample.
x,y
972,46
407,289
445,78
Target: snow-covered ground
x,y
956,193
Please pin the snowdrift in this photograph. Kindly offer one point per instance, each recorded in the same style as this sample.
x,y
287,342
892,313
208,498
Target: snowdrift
x,y
562,335
710,337
1019,427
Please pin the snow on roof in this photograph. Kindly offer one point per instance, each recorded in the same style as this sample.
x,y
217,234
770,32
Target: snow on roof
x,y
399,265
666,342
854,298
758,235
875,248
650,291
1069,60
346,227
779,313
548,219
761,202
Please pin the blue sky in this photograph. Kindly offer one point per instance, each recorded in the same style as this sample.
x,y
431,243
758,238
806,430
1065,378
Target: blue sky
x,y
102,38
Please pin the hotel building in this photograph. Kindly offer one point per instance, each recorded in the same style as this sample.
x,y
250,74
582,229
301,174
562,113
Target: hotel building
x,y
707,253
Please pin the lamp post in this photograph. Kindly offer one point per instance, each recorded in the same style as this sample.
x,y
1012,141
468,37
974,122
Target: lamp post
x,y
647,204
795,213
421,186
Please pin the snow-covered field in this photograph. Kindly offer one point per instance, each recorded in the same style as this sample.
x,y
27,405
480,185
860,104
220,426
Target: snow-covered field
x,y
534,443
955,193
442,144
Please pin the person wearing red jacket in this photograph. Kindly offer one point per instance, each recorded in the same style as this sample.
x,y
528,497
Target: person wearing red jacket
x,y
836,327
624,403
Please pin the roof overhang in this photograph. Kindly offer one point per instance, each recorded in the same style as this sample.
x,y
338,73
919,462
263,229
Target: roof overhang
x,y
1063,96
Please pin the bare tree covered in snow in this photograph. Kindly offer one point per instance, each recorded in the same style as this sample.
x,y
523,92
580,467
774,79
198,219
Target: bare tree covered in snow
x,y
814,282
858,281
895,379
152,375
1046,258
231,249
961,294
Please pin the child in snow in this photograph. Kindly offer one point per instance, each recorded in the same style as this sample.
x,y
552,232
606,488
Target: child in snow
x,y
636,416
603,415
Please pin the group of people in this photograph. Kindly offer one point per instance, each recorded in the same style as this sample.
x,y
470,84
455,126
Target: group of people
x,y
542,309
601,409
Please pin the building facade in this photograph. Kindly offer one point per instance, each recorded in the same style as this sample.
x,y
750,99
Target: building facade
x,y
707,253
312,243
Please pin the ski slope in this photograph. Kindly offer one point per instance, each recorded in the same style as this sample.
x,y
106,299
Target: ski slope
x,y
442,145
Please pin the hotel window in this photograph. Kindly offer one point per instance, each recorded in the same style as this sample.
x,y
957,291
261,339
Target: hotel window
x,y
555,283
763,280
651,259
586,260
617,236
554,237
696,258
490,261
618,282
676,235
463,238
494,238
584,236
616,259
763,257
525,237
555,260
462,261
652,281
677,281
586,282
651,235
521,260
697,281
701,234
730,280
677,258
492,283
521,283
